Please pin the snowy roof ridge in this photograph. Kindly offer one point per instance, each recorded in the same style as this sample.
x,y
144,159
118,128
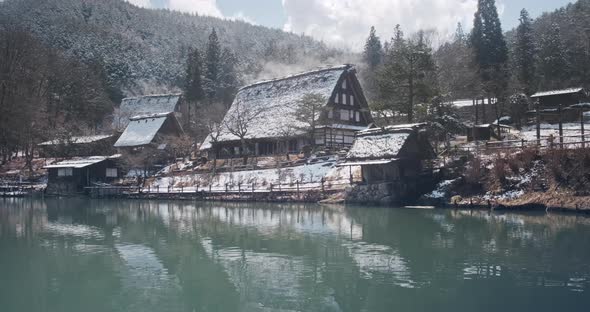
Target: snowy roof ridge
x,y
311,72
557,92
152,95
148,116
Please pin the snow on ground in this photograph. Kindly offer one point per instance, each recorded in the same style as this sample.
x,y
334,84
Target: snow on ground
x,y
309,175
529,133
441,190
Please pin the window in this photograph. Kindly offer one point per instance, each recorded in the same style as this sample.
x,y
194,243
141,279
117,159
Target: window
x,y
65,172
344,98
330,113
336,99
351,100
358,116
111,172
344,114
344,85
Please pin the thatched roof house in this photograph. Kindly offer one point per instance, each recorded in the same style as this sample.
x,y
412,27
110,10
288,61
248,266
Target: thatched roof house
x,y
148,129
148,105
271,108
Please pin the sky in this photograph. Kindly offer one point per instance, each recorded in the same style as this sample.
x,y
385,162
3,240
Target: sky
x,y
346,23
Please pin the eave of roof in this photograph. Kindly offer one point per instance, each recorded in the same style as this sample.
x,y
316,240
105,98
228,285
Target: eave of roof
x,y
557,92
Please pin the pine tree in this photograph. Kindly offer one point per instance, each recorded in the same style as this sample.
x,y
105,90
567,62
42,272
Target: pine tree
x,y
228,77
525,53
373,50
212,65
193,86
408,73
552,59
490,48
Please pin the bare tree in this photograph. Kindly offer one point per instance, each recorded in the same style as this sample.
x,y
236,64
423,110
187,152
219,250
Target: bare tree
x,y
212,122
238,123
309,111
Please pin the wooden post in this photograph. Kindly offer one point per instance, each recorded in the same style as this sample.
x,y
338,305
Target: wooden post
x,y
210,188
538,124
560,127
297,188
168,188
582,128
271,187
323,185
149,189
158,189
252,187
240,187
226,187
523,143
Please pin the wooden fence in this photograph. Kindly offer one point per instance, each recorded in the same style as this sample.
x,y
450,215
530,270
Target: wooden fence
x,y
296,188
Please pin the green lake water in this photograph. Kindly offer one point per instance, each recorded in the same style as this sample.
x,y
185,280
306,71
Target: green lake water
x,y
93,255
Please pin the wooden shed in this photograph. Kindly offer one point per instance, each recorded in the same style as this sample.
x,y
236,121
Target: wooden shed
x,y
72,176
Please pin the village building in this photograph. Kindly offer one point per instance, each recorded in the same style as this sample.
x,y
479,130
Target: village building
x,y
150,130
394,164
78,146
266,115
72,176
558,105
149,105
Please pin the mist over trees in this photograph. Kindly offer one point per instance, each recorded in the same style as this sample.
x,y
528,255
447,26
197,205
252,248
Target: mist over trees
x,y
407,78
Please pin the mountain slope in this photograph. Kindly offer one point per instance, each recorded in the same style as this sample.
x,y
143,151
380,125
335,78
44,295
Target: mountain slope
x,y
145,50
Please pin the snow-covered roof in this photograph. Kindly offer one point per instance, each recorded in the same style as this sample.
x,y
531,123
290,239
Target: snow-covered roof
x,y
380,145
145,105
77,140
79,163
275,103
141,130
557,92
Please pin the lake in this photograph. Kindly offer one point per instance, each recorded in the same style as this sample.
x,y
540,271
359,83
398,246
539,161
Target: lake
x,y
115,255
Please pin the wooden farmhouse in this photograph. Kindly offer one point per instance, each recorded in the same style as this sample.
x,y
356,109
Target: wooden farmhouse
x,y
149,105
268,115
150,130
78,146
391,154
72,176
557,105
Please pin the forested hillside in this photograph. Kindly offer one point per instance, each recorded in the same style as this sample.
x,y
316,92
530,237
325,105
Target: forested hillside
x,y
143,51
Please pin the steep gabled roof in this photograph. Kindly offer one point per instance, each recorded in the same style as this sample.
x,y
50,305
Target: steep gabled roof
x,y
275,102
557,92
383,145
142,130
145,105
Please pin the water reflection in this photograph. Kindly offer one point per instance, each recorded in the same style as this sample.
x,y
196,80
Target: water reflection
x,y
76,254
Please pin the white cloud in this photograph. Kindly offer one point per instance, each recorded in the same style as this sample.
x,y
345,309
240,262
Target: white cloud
x,y
346,23
240,16
202,7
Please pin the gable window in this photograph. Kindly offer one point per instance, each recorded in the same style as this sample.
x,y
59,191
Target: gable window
x,y
65,172
344,114
344,85
344,98
111,172
336,98
358,116
330,114
352,100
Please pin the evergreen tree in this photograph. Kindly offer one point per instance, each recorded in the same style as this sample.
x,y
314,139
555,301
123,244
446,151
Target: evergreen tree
x,y
552,59
525,53
212,65
490,48
373,50
193,87
228,83
408,74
